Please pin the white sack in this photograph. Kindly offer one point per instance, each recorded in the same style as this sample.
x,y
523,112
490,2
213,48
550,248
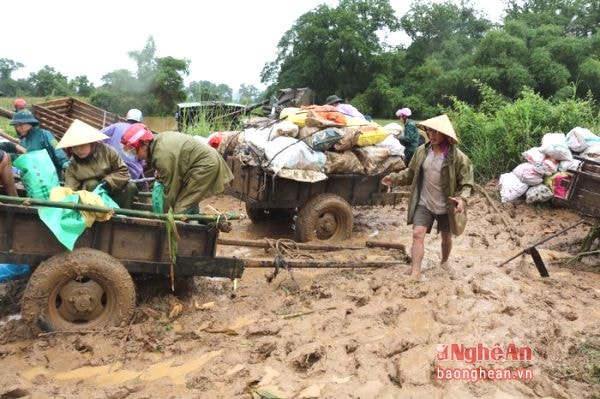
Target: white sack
x,y
511,187
392,144
539,193
528,174
555,146
579,138
290,153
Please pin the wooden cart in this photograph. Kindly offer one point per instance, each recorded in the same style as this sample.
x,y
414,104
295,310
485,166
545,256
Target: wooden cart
x,y
91,287
322,210
583,188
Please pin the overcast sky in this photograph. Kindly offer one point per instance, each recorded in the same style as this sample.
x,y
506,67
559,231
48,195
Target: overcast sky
x,y
226,41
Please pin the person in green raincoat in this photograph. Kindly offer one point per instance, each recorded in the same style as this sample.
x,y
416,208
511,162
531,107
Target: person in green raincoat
x,y
94,163
189,170
441,178
410,138
32,138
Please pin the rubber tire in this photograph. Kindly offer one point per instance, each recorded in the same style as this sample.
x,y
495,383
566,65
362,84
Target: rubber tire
x,y
309,215
260,215
54,273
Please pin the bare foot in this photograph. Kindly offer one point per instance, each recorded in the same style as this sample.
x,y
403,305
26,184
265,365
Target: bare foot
x,y
408,272
415,276
445,265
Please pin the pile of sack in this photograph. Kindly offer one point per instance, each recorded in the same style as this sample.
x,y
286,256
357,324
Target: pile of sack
x,y
544,174
310,142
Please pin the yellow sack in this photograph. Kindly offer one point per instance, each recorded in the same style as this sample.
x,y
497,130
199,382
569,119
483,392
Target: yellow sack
x,y
295,115
371,135
86,198
353,121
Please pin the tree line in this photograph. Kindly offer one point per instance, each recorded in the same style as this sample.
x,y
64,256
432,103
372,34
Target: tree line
x,y
156,86
551,47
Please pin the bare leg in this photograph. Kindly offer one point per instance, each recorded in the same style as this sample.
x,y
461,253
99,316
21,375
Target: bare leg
x,y
446,248
417,251
6,176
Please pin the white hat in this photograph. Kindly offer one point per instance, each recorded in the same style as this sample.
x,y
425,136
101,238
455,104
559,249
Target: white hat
x,y
441,124
134,114
80,133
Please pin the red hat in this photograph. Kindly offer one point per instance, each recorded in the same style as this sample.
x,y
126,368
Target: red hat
x,y
136,134
20,103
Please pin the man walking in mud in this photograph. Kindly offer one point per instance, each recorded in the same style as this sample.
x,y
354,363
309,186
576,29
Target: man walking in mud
x,y
441,178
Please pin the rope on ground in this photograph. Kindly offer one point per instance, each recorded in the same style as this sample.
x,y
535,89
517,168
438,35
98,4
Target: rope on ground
x,y
284,248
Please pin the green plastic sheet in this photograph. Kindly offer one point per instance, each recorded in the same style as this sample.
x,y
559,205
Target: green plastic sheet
x,y
66,224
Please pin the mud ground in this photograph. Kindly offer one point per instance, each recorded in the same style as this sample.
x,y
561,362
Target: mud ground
x,y
339,333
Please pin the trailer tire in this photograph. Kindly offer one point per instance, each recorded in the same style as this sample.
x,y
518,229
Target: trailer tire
x,y
85,289
326,217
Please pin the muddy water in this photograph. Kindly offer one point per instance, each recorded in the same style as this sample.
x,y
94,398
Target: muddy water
x,y
345,333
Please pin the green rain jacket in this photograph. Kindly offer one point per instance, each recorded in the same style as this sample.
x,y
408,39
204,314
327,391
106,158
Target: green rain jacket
x,y
456,178
410,138
189,170
103,164
41,139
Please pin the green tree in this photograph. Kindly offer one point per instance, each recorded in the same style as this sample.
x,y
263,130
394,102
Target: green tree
x,y
8,86
248,94
331,49
82,86
439,61
145,60
48,82
208,91
7,67
168,85
155,87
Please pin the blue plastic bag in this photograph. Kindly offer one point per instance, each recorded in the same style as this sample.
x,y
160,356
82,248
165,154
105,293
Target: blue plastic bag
x,y
8,271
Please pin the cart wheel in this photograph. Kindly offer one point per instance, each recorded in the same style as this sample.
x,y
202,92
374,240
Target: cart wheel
x,y
80,290
259,215
326,217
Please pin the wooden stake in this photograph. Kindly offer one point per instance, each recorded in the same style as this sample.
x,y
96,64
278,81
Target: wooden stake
x,y
385,244
320,264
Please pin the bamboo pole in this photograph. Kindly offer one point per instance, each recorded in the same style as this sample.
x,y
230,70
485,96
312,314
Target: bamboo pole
x,y
265,244
9,137
524,251
118,211
320,264
6,113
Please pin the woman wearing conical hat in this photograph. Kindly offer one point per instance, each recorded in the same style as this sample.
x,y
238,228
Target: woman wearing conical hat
x,y
441,178
93,163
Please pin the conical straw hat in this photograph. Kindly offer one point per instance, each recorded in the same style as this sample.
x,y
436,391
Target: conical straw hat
x,y
80,133
441,124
